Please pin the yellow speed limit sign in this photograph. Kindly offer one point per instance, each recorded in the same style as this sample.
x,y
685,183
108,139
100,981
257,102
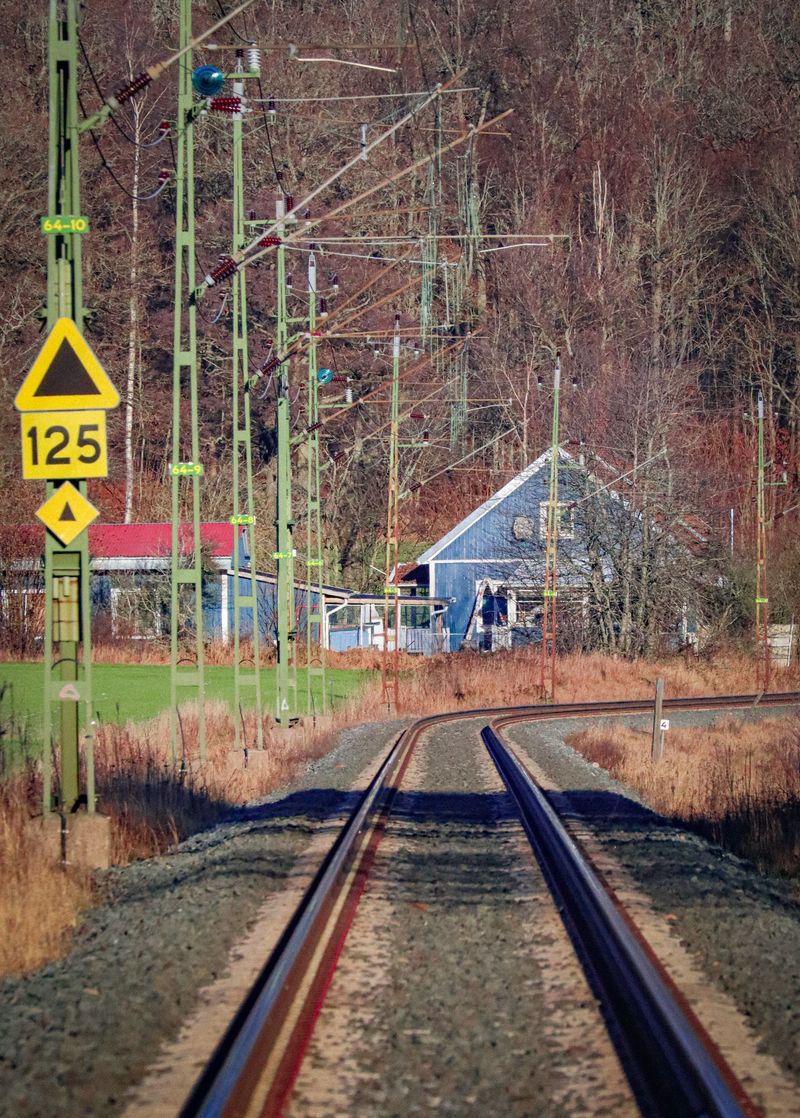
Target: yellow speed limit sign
x,y
61,444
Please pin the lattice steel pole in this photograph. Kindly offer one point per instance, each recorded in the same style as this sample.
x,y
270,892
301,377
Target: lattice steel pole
x,y
284,524
391,675
549,611
185,680
314,563
762,593
242,446
67,576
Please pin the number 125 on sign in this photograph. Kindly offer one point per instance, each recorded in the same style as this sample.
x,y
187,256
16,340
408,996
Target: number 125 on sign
x,y
58,444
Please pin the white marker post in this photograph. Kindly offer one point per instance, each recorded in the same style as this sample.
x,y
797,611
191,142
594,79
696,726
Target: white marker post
x,y
660,725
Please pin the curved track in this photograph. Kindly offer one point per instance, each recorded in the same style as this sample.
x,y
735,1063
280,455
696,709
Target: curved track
x,y
673,1066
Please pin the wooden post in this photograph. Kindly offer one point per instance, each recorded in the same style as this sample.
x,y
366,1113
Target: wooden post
x,y
657,749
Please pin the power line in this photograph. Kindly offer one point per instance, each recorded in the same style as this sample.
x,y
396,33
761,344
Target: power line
x,y
107,167
365,96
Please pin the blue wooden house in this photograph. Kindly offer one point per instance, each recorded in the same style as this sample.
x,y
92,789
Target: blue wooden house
x,y
491,567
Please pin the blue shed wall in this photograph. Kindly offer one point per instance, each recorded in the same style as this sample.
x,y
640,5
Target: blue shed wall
x,y
487,548
266,597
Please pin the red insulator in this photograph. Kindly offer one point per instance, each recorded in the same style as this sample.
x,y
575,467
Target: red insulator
x,y
313,427
270,241
132,88
164,174
225,104
223,270
164,126
289,200
417,415
270,365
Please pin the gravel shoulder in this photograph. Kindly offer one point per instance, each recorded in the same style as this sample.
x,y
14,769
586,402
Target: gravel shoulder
x,y
77,1034
741,928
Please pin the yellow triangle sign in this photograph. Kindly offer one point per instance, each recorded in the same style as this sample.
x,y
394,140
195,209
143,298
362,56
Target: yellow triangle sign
x,y
66,376
67,513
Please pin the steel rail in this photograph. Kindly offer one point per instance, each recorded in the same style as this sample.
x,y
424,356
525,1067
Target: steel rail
x,y
232,1076
672,1069
229,1077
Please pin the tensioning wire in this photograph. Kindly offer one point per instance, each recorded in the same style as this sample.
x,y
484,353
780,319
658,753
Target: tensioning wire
x,y
374,259
106,166
414,238
358,96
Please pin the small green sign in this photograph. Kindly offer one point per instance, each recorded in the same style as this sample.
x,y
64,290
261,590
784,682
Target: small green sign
x,y
64,223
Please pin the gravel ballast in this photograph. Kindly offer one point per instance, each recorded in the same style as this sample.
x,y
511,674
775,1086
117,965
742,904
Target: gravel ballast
x,y
76,1034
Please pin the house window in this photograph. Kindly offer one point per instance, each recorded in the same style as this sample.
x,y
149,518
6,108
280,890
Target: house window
x,y
566,520
522,528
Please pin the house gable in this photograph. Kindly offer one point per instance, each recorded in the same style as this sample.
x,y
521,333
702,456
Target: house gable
x,y
518,502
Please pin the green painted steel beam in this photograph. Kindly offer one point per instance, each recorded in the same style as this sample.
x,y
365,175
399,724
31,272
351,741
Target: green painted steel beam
x,y
67,643
186,590
245,675
284,522
315,665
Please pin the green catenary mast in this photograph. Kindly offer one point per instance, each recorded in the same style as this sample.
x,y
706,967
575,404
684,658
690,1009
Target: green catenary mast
x,y
66,569
284,524
315,614
186,599
547,663
245,678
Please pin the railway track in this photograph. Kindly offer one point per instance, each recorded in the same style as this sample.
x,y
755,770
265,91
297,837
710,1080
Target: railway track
x,y
673,1066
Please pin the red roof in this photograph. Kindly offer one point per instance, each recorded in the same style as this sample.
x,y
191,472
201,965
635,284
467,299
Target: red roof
x,y
116,541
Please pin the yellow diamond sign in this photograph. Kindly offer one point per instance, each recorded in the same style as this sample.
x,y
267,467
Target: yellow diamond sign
x,y
66,376
67,513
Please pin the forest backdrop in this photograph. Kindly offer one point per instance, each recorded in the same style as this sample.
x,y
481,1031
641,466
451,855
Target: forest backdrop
x,y
652,150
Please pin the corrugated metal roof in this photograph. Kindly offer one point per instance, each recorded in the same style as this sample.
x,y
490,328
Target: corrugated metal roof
x,y
491,503
147,541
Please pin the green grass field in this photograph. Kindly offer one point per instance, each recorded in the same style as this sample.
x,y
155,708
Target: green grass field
x,y
135,692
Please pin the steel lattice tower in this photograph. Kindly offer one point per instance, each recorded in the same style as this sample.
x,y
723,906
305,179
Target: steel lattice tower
x,y
244,678
186,567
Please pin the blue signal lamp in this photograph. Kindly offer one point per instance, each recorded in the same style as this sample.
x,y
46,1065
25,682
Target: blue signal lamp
x,y
324,376
208,80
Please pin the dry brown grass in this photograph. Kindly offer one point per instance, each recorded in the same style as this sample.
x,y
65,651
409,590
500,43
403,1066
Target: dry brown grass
x,y
154,803
39,901
157,652
735,782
